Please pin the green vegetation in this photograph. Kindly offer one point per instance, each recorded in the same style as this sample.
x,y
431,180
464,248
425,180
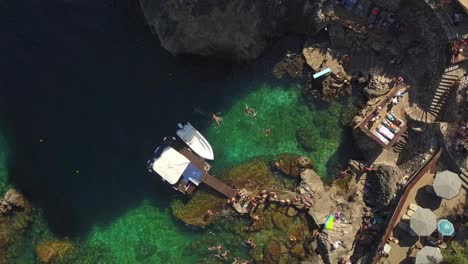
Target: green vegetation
x,y
456,253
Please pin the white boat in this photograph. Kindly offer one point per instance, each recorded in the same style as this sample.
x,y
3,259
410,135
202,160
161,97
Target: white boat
x,y
195,141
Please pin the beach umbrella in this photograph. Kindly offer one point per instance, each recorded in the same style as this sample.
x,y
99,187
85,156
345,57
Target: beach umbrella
x,y
423,222
429,255
447,184
445,227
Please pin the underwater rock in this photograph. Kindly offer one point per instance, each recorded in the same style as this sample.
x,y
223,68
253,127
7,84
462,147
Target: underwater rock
x,y
291,165
280,220
298,250
194,211
15,217
238,30
306,138
251,175
291,211
272,252
55,251
13,200
144,251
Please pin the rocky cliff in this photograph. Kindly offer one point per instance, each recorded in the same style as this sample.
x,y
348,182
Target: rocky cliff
x,y
232,29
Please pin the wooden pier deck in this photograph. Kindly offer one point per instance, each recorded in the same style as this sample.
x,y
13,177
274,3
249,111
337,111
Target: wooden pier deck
x,y
207,179
218,186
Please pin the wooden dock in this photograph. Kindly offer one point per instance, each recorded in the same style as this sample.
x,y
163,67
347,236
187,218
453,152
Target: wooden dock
x,y
218,186
207,179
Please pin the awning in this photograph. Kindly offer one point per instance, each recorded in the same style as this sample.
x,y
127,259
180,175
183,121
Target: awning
x,y
170,165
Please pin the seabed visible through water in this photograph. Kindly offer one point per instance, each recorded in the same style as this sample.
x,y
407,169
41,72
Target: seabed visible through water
x,y
148,233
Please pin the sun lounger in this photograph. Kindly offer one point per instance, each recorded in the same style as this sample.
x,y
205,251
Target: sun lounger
x,y
381,138
392,127
386,132
395,120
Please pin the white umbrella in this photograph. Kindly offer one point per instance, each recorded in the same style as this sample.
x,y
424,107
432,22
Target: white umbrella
x,y
429,255
423,222
447,184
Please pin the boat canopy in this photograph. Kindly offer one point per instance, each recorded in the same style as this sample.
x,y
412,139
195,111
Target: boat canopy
x,y
170,165
195,141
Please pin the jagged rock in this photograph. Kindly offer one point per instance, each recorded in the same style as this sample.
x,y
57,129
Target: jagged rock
x,y
382,185
355,166
376,89
15,198
291,165
292,65
54,251
237,29
338,81
313,181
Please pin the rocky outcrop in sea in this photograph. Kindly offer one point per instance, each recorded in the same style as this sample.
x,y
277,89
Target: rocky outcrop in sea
x,y
238,30
15,217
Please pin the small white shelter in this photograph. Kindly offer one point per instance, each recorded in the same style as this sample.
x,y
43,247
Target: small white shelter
x,y
170,165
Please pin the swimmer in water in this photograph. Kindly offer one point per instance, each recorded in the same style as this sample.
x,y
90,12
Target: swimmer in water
x,y
217,119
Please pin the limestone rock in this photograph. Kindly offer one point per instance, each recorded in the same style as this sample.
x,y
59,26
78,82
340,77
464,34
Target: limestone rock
x,y
15,198
382,185
376,89
237,29
312,180
291,165
338,81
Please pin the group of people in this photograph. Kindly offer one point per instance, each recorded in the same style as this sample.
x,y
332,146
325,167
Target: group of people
x,y
369,227
250,111
224,255
461,140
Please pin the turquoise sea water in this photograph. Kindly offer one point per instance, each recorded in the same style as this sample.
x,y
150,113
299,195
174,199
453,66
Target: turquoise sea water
x,y
148,233
89,94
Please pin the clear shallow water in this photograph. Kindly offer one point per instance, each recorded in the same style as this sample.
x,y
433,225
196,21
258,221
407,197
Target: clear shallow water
x,y
89,94
282,110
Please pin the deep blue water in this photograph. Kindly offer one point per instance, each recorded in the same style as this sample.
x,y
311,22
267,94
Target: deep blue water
x,y
90,80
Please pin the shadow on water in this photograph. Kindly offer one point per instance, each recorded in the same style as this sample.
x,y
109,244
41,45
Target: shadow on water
x,y
91,83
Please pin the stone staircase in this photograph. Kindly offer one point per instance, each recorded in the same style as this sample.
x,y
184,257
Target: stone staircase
x,y
442,94
438,101
398,147
368,63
